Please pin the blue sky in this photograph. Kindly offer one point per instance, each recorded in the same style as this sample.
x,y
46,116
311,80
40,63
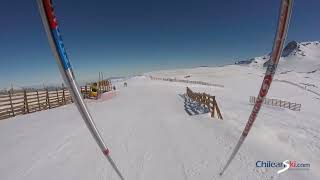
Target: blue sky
x,y
130,37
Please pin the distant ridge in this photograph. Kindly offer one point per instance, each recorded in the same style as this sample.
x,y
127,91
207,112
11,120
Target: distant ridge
x,y
303,57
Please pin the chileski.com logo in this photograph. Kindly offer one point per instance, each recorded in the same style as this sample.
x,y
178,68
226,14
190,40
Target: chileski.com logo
x,y
285,165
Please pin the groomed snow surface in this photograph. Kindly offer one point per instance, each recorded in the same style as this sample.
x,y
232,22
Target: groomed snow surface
x,y
151,136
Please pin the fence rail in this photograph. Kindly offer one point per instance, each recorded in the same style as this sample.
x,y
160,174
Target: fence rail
x,y
186,81
278,103
206,100
13,104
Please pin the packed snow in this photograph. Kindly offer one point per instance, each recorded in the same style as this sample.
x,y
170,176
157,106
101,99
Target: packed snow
x,y
151,136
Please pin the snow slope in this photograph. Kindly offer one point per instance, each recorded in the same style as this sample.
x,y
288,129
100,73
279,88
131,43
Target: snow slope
x,y
299,65
152,137
304,58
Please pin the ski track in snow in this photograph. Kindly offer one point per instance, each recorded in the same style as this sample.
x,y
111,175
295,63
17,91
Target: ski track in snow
x,y
297,85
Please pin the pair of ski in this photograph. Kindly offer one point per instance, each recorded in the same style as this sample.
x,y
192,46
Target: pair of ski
x,y
51,26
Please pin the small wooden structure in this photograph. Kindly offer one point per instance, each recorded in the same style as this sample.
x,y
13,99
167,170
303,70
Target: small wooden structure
x,y
278,103
206,100
100,87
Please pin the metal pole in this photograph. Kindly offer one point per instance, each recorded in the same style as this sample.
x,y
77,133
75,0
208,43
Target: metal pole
x,y
51,26
283,24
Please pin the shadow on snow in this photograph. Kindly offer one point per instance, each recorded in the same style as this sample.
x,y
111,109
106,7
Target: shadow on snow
x,y
192,107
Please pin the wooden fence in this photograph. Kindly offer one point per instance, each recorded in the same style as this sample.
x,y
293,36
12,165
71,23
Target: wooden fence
x,y
186,81
206,100
13,104
278,103
24,102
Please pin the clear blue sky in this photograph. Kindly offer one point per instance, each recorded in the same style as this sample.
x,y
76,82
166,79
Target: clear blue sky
x,y
134,36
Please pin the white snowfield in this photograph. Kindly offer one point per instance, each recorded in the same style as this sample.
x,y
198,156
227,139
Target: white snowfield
x,y
151,137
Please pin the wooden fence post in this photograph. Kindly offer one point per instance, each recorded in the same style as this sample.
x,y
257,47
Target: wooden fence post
x,y
48,99
26,107
12,110
63,96
213,106
71,100
218,110
57,93
38,100
290,106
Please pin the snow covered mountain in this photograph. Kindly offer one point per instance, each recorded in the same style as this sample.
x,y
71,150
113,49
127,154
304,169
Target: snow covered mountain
x,y
299,65
299,57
